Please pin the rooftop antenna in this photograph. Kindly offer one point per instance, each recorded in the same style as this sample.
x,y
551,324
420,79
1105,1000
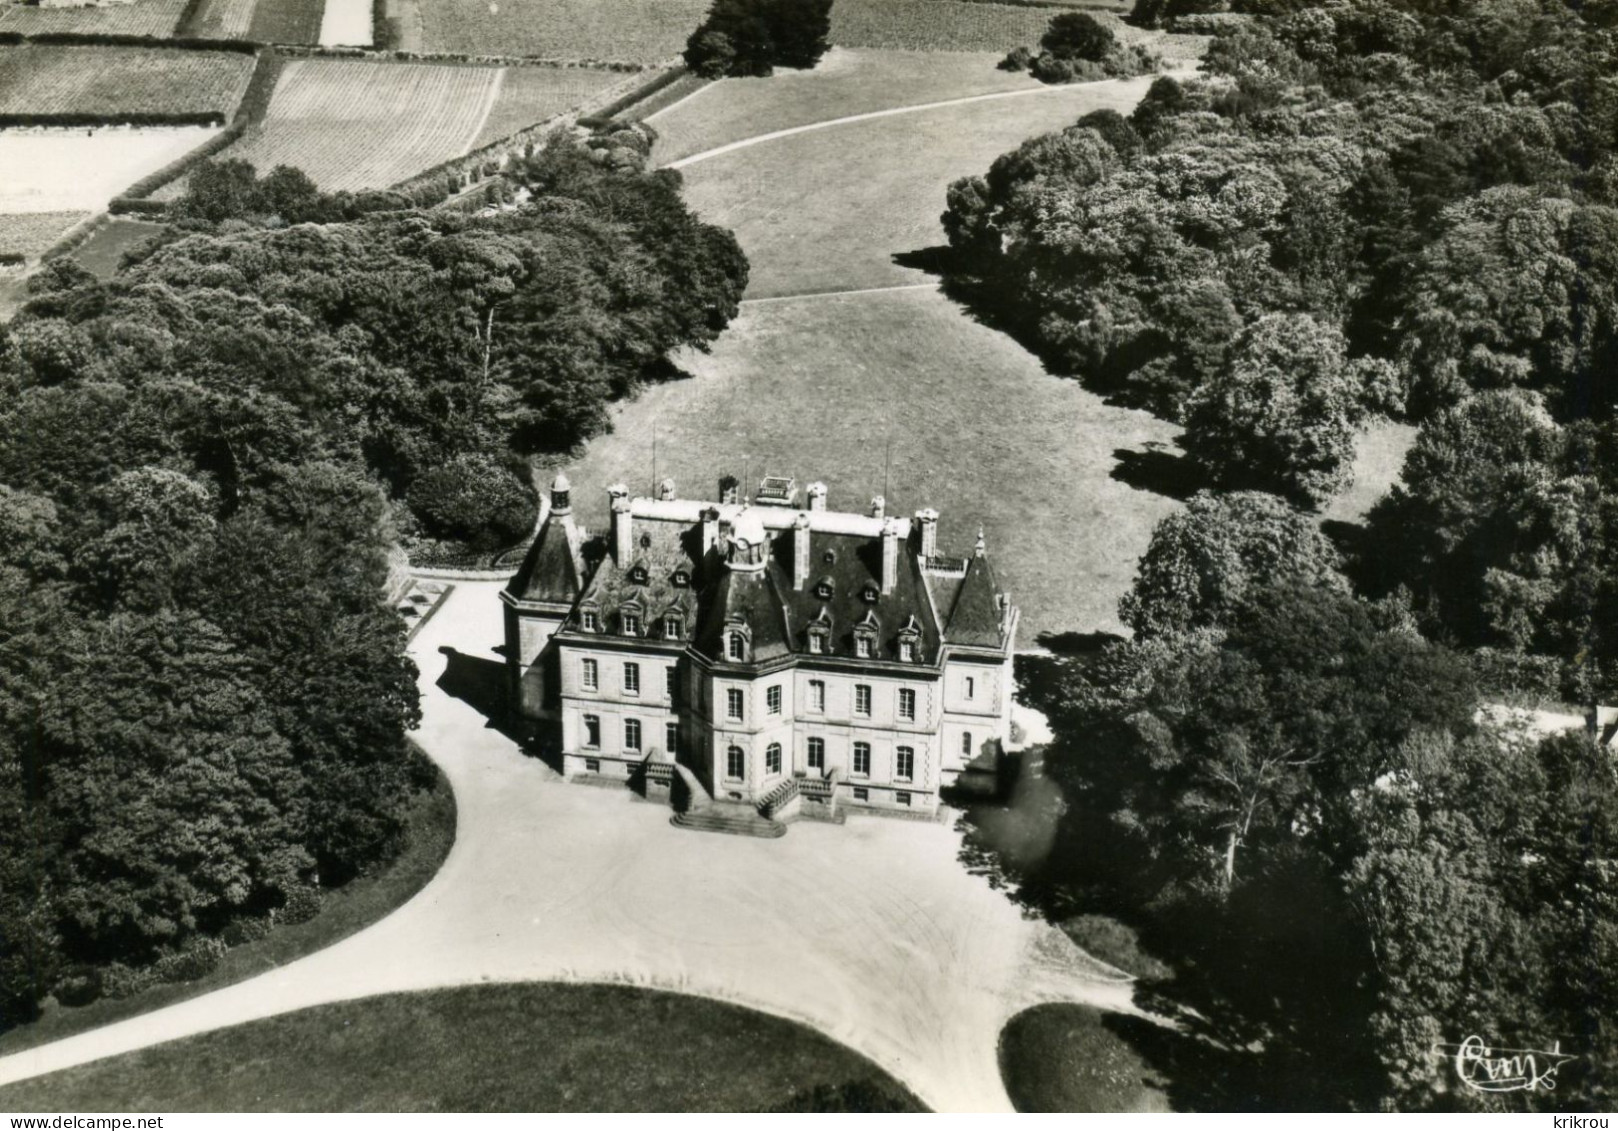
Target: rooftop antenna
x,y
653,491
887,463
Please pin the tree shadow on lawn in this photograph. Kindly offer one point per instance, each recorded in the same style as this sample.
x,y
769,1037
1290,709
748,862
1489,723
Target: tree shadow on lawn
x,y
1159,471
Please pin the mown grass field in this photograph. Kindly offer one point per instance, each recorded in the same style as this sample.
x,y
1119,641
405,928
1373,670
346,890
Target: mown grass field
x,y
352,125
937,25
629,31
1063,1058
60,170
847,81
286,21
878,185
429,834
819,387
103,253
524,1047
528,95
157,18
221,19
30,233
38,79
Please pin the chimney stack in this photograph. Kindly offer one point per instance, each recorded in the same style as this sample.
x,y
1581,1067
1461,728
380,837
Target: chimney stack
x,y
561,495
665,490
817,496
710,529
800,551
730,490
890,556
982,548
879,507
927,524
622,527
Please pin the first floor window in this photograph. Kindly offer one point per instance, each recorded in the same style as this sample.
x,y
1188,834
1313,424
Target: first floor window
x,y
671,683
907,704
631,679
772,758
862,699
590,674
592,730
671,736
817,695
733,703
772,699
631,734
817,753
862,759
966,745
735,763
904,767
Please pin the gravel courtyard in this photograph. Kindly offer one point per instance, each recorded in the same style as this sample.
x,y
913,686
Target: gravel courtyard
x,y
872,932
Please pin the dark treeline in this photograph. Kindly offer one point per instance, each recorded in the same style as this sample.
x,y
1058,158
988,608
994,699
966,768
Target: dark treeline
x,y
203,464
1283,780
753,37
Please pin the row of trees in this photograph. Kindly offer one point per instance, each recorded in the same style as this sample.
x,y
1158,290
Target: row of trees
x,y
203,696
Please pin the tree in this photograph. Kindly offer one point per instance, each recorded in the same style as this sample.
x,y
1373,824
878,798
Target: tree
x,y
1077,35
753,37
472,498
1204,560
219,190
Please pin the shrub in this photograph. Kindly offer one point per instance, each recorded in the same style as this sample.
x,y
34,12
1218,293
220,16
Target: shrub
x,y
79,986
473,498
240,931
197,960
1017,59
302,905
1103,937
119,981
1077,35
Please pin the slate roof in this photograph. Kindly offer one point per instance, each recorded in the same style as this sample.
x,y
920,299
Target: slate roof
x,y
554,569
976,618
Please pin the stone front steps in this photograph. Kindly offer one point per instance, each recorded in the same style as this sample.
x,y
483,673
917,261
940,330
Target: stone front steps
x,y
721,817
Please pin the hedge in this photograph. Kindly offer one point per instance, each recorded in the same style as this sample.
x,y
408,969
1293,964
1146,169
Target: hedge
x,y
139,206
128,118
12,258
111,39
612,109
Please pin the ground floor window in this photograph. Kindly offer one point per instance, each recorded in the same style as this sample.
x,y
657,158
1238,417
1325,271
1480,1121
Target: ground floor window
x,y
592,730
735,763
671,737
861,794
592,765
862,759
772,758
817,753
902,798
966,745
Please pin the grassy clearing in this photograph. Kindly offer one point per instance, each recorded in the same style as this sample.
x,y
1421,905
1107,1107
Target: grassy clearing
x,y
31,233
112,80
1379,457
286,21
156,18
61,170
817,387
847,81
629,31
878,187
529,95
1063,1058
355,125
524,1047
103,252
429,833
221,19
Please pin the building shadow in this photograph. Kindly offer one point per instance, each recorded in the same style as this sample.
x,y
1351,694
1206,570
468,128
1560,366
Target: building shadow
x,y
483,685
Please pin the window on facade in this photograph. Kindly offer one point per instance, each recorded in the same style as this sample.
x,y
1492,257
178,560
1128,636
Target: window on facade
x,y
863,647
592,765
632,679
902,797
817,753
631,734
907,651
907,704
817,695
862,699
671,736
735,763
682,578
817,643
966,745
904,763
733,703
671,628
590,674
772,758
592,730
861,793
971,687
862,759
631,624
738,647
671,682
587,618
772,699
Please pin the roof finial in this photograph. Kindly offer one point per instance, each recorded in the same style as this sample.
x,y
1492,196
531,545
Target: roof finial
x,y
982,547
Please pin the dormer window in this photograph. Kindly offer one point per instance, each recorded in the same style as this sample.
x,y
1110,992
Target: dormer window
x,y
631,624
672,627
637,575
907,651
829,557
736,647
910,640
589,621
817,642
682,579
870,594
823,589
864,646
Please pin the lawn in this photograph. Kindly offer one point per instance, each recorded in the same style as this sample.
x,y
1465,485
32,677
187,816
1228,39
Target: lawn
x,y
629,31
819,387
1063,1058
61,170
847,81
514,1047
878,187
429,833
30,233
103,253
286,21
528,95
113,80
351,124
156,18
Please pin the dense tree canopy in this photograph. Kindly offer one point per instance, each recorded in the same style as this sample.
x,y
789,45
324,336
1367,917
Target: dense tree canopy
x,y
753,37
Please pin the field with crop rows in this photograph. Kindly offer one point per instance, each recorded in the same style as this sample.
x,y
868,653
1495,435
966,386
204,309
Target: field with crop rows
x,y
944,25
110,80
29,233
630,31
532,94
157,18
221,19
286,21
354,125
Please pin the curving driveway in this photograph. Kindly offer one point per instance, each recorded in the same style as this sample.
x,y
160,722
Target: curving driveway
x,y
873,932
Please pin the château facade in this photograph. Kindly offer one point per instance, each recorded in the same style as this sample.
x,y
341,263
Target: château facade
x,y
751,644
